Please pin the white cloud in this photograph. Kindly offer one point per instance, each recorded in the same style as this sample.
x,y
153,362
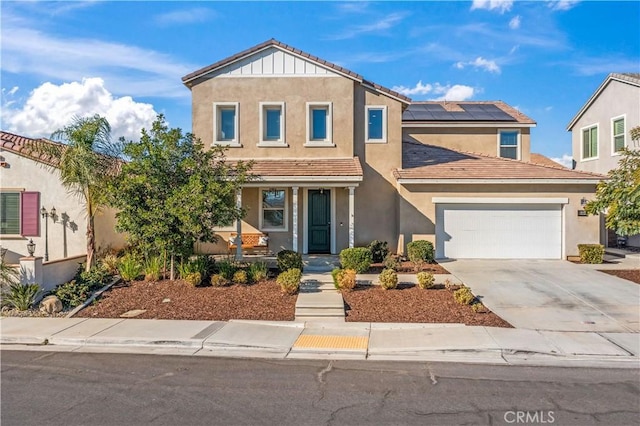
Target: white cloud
x,y
514,49
481,63
13,90
185,16
562,4
566,160
502,6
514,23
50,107
456,92
383,24
126,69
548,108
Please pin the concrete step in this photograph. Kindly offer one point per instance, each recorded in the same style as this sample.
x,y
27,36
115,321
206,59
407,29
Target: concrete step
x,y
322,299
314,286
320,319
320,312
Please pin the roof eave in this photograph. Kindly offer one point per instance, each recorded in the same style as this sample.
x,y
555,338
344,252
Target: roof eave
x,y
504,181
408,124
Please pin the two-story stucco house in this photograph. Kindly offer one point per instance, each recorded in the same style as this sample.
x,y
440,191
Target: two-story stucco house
x,y
601,127
342,161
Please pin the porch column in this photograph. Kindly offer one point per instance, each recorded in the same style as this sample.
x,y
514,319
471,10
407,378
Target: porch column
x,y
295,218
239,226
352,232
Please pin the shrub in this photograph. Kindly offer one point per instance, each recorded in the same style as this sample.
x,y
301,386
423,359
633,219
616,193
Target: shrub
x,y
20,296
217,280
152,268
420,252
289,259
129,268
379,251
193,278
392,262
258,271
479,308
347,280
425,280
388,279
449,285
226,269
73,293
464,296
289,280
95,278
335,274
591,253
240,277
109,263
356,258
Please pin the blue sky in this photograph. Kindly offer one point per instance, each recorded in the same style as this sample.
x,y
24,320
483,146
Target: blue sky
x,y
125,60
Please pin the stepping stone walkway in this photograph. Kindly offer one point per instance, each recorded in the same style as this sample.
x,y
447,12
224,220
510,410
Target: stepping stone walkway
x,y
318,299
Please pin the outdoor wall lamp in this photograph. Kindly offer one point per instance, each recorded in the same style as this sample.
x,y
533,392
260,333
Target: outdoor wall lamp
x,y
31,247
583,201
46,215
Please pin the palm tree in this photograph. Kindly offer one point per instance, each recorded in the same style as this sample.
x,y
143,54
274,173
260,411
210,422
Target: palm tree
x,y
86,162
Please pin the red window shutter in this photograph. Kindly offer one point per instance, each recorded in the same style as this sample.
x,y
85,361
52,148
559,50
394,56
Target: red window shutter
x,y
30,214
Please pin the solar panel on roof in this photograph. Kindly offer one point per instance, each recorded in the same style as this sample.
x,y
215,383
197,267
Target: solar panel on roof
x,y
480,115
462,116
502,116
438,115
423,115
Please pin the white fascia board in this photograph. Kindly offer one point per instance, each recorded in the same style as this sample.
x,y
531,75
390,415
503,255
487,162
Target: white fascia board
x,y
497,124
499,200
410,181
310,184
369,86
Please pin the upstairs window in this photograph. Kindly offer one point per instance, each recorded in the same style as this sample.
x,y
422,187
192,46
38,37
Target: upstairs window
x,y
272,124
590,142
509,144
225,123
376,124
618,134
319,124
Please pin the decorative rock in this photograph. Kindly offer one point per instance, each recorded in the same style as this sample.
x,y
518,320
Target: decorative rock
x,y
134,313
167,300
51,305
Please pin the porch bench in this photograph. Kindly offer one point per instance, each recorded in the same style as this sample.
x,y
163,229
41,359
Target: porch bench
x,y
250,241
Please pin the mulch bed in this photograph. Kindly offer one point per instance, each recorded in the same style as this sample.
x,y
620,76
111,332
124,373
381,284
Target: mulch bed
x,y
409,303
407,268
632,275
261,301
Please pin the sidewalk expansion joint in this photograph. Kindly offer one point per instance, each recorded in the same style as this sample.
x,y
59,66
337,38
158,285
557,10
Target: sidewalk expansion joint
x,y
331,342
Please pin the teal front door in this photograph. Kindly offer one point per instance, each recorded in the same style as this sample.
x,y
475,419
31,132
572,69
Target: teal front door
x,y
319,221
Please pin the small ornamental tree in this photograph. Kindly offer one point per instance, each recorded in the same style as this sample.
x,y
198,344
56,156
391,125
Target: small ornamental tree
x,y
619,195
173,193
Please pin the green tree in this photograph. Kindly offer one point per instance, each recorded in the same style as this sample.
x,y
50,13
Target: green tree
x,y
173,193
619,195
86,160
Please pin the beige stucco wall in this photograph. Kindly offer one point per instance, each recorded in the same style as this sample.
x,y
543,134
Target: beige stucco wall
x,y
295,92
482,140
615,100
418,212
64,241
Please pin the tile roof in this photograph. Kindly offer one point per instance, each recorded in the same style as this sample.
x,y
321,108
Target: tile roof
x,y
545,161
421,161
276,43
307,167
28,147
463,111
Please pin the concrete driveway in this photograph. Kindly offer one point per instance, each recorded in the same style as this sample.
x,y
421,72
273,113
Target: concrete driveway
x,y
552,294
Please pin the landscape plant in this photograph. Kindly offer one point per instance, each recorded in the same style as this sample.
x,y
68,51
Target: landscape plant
x,y
388,279
335,275
420,252
20,296
425,280
347,280
129,268
289,259
591,253
289,280
356,258
152,268
392,262
464,296
226,268
218,280
258,271
379,250
73,293
240,277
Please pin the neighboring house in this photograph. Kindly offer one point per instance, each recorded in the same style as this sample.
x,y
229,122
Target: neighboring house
x,y
342,161
27,185
600,130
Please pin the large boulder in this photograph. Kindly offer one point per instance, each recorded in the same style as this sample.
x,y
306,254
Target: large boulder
x,y
51,305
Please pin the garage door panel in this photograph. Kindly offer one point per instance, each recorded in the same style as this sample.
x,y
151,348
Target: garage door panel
x,y
499,231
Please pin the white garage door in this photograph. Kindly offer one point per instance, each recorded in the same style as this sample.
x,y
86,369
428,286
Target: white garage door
x,y
499,231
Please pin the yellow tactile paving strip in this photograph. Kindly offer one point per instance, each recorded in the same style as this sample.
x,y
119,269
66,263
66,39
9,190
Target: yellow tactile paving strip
x,y
331,342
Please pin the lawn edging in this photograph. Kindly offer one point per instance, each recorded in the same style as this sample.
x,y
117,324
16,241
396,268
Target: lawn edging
x,y
116,279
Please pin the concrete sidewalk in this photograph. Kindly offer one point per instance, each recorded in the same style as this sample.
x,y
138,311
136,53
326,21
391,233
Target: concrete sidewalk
x,y
317,340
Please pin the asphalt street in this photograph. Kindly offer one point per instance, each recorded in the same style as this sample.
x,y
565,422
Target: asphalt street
x,y
57,388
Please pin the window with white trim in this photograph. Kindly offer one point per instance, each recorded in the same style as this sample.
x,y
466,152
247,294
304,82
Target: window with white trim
x,y
272,124
509,144
273,209
319,124
376,124
590,142
225,123
617,127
